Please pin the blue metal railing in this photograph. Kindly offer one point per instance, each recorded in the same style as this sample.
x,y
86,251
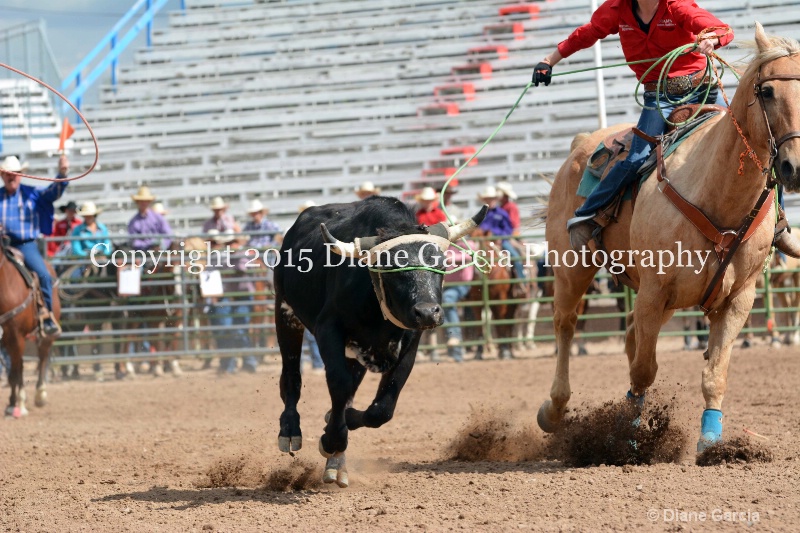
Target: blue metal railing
x,y
116,47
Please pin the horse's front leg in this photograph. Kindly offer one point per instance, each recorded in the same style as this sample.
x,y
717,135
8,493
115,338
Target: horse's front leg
x,y
649,314
726,324
569,287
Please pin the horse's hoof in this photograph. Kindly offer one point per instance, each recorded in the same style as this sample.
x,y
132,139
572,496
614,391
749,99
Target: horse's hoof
x,y
16,412
41,398
582,350
290,444
710,429
322,451
776,344
336,471
544,419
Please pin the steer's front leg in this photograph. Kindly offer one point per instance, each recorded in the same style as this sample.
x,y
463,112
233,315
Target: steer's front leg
x,y
382,407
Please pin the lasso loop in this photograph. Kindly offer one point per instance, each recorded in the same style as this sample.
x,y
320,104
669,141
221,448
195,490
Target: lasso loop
x,y
88,127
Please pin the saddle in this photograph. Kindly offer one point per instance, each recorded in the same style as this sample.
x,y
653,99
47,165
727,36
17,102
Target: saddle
x,y
32,281
615,148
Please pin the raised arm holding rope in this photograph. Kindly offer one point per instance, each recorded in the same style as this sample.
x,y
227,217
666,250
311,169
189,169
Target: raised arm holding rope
x,y
647,29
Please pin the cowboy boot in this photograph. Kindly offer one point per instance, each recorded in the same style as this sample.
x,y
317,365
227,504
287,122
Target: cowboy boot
x,y
582,230
50,326
784,241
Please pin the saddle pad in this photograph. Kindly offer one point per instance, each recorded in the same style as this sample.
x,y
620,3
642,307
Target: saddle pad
x,y
671,142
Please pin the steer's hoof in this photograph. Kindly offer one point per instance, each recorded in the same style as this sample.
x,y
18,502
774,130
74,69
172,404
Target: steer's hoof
x,y
322,451
544,420
290,444
336,470
328,416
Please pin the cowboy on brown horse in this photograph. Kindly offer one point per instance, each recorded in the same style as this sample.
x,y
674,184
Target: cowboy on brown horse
x,y
26,211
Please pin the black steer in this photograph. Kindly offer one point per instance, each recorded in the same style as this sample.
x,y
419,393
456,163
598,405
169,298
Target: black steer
x,y
363,318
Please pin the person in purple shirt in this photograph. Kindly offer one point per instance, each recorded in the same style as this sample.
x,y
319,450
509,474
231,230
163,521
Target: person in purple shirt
x,y
148,222
24,212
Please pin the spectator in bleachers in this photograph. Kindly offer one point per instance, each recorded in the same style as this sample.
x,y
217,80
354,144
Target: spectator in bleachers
x,y
62,228
644,27
24,211
367,189
148,222
260,223
428,211
221,220
232,310
159,208
498,223
507,204
452,209
93,233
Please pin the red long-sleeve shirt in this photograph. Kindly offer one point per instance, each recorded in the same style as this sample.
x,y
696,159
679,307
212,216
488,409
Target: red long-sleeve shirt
x,y
676,23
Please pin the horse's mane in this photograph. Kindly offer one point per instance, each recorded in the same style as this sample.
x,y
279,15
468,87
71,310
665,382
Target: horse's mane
x,y
780,47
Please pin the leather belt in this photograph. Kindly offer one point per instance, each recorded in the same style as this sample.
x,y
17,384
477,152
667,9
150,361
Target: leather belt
x,y
680,84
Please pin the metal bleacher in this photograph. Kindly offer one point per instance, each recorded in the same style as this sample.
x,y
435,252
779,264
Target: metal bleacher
x,y
303,99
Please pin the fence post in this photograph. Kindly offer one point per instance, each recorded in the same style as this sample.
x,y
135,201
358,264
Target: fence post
x,y
487,324
769,322
184,313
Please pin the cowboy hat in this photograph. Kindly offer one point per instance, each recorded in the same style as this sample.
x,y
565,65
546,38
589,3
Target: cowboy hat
x,y
226,237
369,187
427,194
159,208
69,205
305,205
256,207
88,209
505,188
488,192
143,195
217,203
12,164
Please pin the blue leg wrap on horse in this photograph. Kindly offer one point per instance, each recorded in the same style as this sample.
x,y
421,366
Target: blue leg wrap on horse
x,y
639,402
710,429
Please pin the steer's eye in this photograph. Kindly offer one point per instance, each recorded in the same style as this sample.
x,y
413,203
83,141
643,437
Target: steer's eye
x,y
767,92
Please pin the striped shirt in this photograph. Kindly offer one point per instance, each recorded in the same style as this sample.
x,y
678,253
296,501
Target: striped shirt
x,y
20,212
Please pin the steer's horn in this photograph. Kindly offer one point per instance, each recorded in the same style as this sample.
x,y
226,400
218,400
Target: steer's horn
x,y
347,249
456,231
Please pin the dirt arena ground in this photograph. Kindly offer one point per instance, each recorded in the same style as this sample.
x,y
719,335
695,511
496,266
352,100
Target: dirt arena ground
x,y
144,455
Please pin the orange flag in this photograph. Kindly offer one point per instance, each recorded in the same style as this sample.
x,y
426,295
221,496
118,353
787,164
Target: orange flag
x,y
66,132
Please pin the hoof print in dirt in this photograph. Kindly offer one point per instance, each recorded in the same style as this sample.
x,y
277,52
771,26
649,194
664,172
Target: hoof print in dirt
x,y
737,450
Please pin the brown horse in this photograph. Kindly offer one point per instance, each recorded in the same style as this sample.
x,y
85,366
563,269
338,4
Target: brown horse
x,y
499,286
19,318
706,171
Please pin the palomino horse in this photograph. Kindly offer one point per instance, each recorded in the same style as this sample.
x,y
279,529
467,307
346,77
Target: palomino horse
x,y
498,292
707,173
19,318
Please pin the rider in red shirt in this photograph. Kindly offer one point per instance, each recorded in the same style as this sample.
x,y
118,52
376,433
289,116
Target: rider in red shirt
x,y
647,29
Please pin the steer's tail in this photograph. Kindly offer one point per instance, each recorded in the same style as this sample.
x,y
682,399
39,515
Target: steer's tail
x,y
539,213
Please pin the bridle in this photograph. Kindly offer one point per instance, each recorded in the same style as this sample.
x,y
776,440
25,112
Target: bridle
x,y
774,145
